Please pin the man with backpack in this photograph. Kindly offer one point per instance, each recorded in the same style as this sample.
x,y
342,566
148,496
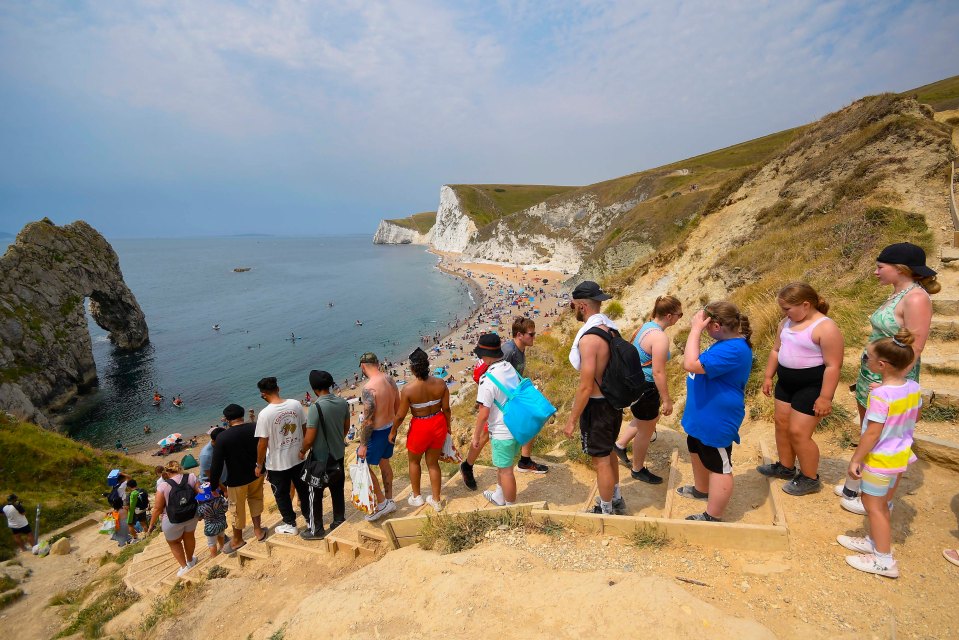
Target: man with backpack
x,y
599,420
137,504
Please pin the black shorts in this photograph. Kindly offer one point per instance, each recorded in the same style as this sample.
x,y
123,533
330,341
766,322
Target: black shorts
x,y
647,407
22,530
599,427
799,387
714,459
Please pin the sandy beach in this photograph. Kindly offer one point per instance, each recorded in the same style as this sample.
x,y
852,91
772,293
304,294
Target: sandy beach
x,y
496,287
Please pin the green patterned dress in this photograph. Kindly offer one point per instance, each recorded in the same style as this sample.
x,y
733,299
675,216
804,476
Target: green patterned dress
x,y
884,325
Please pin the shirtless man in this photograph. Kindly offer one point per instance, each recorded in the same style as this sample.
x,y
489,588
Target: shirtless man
x,y
381,399
599,421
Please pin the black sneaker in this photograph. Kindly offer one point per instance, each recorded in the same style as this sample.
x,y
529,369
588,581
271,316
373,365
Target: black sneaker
x,y
619,507
335,524
466,470
690,491
647,476
777,470
704,517
621,454
802,485
531,467
306,534
595,509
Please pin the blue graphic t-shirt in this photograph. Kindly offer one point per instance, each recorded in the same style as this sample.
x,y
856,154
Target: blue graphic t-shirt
x,y
716,400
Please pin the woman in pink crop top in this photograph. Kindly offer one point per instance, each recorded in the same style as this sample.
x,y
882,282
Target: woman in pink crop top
x,y
806,360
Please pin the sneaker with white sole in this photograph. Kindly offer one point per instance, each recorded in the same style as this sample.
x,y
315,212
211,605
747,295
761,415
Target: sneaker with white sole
x,y
415,501
192,563
619,506
853,505
489,495
840,490
287,529
182,571
870,564
436,504
862,545
387,507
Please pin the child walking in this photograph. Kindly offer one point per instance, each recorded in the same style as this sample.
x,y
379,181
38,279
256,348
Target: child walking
x,y
885,449
212,510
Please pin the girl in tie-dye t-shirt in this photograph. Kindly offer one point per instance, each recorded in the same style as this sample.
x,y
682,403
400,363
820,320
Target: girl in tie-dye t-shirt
x,y
885,449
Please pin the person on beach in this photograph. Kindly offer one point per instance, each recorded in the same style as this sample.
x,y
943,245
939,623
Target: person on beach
x,y
599,421
902,266
380,403
279,428
806,360
175,504
427,398
212,509
652,343
715,403
885,448
236,450
489,399
18,523
331,414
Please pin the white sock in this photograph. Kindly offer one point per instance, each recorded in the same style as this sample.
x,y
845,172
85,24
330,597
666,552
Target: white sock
x,y
607,507
616,494
885,559
498,494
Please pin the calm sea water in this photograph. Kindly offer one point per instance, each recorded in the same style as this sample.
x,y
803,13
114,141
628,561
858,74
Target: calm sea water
x,y
185,286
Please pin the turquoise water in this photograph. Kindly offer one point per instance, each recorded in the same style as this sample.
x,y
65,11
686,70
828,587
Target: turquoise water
x,y
185,286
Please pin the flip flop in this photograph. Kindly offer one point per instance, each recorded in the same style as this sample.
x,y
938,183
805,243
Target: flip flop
x,y
266,532
952,555
229,549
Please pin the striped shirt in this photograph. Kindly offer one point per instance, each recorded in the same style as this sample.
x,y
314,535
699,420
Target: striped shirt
x,y
897,408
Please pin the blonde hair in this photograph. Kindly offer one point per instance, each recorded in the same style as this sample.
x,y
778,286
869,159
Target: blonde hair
x,y
795,293
665,305
173,468
929,283
728,316
897,350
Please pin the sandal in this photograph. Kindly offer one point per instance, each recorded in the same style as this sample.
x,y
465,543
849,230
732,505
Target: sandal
x,y
266,532
952,555
229,549
654,436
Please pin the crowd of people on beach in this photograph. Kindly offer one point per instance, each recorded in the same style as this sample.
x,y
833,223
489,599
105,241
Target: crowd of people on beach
x,y
299,448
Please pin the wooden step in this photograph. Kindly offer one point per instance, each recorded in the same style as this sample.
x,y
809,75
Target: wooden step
x,y
947,364
945,327
318,547
251,552
945,306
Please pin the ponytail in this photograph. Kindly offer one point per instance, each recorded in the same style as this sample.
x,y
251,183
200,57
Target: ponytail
x,y
897,350
728,316
795,293
665,305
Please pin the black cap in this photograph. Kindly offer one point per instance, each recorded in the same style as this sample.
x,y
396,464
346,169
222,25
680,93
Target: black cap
x,y
320,380
233,412
589,290
489,345
908,254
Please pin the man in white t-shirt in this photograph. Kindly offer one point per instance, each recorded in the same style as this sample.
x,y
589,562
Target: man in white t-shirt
x,y
18,523
505,448
280,428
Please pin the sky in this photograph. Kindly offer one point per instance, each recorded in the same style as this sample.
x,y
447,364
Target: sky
x,y
151,118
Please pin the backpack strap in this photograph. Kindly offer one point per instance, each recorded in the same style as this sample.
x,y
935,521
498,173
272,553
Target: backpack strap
x,y
322,427
637,340
605,335
499,385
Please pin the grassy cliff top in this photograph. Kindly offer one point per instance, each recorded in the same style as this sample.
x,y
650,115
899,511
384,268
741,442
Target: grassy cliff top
x,y
485,203
941,96
419,222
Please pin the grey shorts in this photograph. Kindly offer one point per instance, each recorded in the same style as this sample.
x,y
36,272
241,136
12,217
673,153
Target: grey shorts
x,y
173,532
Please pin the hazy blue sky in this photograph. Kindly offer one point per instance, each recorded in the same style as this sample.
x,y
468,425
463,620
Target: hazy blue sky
x,y
151,118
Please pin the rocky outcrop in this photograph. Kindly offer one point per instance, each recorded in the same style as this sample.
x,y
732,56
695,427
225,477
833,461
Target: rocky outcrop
x,y
46,355
391,233
453,229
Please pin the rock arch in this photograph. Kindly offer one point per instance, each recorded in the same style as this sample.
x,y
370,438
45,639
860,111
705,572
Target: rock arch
x,y
46,355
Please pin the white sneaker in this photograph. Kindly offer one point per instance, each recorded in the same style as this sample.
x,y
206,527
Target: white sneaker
x,y
862,545
490,495
288,529
387,507
415,501
838,490
192,562
182,571
853,505
437,505
870,564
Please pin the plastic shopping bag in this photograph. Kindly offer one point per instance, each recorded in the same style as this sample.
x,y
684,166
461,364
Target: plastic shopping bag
x,y
450,454
363,498
108,526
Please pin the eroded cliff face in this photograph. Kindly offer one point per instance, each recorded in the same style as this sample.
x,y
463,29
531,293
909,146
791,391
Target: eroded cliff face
x,y
389,233
453,229
46,356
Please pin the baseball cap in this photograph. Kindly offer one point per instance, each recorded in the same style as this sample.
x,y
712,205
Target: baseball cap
x,y
489,345
369,358
320,380
232,412
908,254
589,290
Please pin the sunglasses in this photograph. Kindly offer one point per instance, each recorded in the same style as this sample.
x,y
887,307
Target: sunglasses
x,y
531,334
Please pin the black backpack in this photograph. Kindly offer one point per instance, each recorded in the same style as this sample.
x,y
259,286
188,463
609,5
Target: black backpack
x,y
623,380
143,502
181,503
114,499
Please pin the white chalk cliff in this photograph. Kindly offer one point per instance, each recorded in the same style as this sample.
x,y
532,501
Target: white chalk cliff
x,y
390,233
453,229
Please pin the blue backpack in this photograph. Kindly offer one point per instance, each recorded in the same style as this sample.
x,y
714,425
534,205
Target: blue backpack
x,y
526,409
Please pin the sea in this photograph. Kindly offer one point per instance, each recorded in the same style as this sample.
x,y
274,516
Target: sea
x,y
296,309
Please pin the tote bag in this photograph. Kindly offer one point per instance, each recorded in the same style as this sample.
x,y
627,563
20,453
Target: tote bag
x,y
526,409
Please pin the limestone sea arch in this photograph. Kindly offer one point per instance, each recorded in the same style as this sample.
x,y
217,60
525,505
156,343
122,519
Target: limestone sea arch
x,y
46,354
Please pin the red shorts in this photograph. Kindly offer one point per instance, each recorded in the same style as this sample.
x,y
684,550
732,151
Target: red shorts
x,y
427,433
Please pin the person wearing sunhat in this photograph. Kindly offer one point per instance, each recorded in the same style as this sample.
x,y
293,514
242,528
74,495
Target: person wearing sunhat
x,y
903,267
599,421
489,398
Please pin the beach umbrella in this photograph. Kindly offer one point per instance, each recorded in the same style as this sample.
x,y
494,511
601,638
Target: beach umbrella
x,y
170,439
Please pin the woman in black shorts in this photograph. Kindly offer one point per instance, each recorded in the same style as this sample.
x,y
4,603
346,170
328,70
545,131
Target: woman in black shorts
x,y
806,360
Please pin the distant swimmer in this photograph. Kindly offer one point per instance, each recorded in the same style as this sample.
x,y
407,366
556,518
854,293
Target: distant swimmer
x,y
216,327
177,401
330,304
359,323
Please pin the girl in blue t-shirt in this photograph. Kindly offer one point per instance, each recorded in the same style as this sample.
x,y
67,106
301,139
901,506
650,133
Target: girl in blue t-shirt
x,y
715,403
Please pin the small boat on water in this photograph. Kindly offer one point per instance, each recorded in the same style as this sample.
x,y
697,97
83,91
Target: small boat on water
x,y
359,324
216,327
241,269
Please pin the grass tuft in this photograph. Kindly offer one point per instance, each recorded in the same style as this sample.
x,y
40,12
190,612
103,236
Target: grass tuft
x,y
90,620
167,607
453,533
648,538
940,413
217,571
